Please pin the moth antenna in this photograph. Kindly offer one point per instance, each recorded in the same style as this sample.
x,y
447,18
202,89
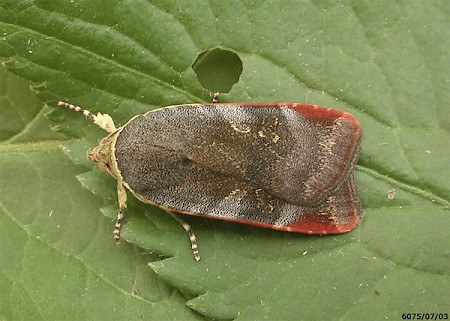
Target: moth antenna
x,y
103,121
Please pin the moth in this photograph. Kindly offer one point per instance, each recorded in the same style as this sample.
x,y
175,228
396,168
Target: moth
x,y
284,166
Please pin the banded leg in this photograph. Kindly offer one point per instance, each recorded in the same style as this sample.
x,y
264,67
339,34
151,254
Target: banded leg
x,y
191,234
122,199
215,97
103,121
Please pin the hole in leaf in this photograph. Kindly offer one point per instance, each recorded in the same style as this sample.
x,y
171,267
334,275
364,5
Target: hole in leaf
x,y
218,69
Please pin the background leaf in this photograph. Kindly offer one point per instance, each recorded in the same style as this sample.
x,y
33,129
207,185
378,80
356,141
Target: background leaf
x,y
385,62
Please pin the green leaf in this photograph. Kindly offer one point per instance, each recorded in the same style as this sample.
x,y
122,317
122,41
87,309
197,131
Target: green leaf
x,y
385,62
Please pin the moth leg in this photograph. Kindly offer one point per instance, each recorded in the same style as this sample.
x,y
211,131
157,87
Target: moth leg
x,y
103,121
215,97
122,199
191,234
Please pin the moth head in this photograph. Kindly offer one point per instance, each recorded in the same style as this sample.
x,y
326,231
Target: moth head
x,y
103,155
